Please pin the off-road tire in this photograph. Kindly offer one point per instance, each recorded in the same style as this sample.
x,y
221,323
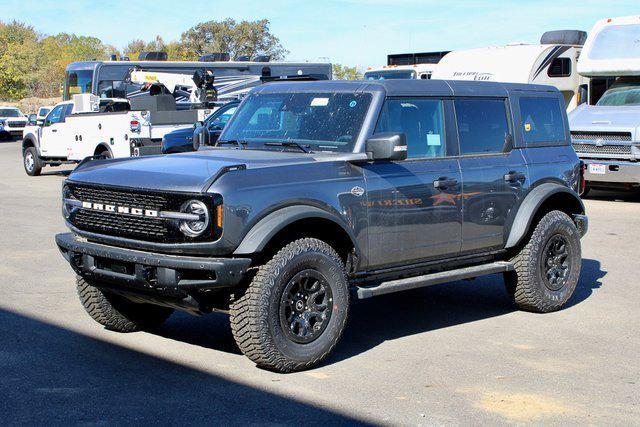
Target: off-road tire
x,y
118,314
31,162
526,284
255,316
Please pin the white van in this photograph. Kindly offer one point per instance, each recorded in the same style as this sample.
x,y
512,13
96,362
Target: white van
x,y
552,62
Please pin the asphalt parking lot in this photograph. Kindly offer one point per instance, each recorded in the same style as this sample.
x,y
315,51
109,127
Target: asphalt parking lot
x,y
450,354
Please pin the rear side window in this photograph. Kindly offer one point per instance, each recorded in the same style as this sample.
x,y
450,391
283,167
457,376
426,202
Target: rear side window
x,y
560,67
482,125
421,120
542,120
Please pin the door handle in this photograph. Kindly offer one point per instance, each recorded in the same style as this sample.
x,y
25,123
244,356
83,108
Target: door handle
x,y
442,183
514,177
54,130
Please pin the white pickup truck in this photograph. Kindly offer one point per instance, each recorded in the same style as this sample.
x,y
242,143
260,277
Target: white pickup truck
x,y
91,126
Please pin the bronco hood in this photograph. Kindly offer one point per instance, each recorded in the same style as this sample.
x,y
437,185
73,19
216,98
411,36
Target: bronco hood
x,y
188,172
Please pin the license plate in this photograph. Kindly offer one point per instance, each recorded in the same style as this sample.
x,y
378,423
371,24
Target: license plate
x,y
597,169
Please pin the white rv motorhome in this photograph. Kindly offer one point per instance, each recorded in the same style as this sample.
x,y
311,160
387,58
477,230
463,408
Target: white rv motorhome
x,y
552,62
606,131
406,66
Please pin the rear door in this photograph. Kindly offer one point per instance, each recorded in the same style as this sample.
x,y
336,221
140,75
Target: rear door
x,y
494,173
414,205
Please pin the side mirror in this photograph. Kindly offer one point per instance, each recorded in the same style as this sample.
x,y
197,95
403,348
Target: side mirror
x,y
32,118
386,146
583,94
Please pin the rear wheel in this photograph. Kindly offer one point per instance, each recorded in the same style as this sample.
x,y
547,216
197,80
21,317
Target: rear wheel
x,y
117,313
31,161
547,268
295,309
106,154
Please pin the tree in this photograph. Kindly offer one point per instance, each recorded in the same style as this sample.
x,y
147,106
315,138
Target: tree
x,y
342,72
136,46
18,59
236,38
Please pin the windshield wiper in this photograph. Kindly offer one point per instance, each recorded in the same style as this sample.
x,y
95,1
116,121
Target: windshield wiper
x,y
237,142
304,148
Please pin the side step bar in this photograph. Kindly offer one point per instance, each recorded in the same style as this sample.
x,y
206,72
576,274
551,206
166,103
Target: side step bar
x,y
391,286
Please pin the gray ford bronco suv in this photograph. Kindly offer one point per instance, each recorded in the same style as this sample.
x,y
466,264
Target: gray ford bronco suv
x,y
318,193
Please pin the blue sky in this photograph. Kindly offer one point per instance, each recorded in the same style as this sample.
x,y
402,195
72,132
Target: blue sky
x,y
352,32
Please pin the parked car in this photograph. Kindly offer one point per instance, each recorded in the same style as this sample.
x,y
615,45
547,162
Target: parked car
x,y
321,192
202,133
12,122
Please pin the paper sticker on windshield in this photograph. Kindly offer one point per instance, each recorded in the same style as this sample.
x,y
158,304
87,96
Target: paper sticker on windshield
x,y
527,127
353,104
319,102
433,139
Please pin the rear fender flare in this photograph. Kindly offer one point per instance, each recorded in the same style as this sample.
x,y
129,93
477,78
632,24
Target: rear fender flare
x,y
530,206
265,229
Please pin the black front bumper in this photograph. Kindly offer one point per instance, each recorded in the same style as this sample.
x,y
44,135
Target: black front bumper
x,y
149,272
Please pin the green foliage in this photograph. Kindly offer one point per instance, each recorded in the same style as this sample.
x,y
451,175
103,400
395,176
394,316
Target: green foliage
x,y
33,64
237,38
342,72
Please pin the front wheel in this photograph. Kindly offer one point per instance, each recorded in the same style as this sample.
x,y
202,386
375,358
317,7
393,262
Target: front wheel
x,y
547,268
31,161
295,309
117,313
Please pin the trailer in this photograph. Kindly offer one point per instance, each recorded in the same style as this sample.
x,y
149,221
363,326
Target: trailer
x,y
551,62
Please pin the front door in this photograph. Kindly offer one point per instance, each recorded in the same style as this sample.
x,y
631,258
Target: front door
x,y
52,142
414,205
494,174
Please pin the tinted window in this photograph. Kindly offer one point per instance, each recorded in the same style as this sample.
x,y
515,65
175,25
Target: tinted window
x,y
222,117
560,67
542,120
482,125
421,122
78,81
9,112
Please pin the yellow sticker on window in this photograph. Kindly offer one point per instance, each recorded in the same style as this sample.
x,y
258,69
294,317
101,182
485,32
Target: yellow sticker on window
x,y
527,127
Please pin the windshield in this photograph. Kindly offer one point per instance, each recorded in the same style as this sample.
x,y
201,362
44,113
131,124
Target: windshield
x,y
320,121
625,91
77,81
9,112
390,74
616,42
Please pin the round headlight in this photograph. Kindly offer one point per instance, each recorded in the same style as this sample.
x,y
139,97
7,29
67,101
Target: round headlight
x,y
194,227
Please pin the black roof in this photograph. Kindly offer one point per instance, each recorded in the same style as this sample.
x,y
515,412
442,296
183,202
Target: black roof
x,y
407,87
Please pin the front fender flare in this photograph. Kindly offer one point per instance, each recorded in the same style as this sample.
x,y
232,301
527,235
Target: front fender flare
x,y
262,232
529,207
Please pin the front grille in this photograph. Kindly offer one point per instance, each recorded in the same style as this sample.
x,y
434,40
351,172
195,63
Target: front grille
x,y
103,223
17,124
624,150
601,136
136,227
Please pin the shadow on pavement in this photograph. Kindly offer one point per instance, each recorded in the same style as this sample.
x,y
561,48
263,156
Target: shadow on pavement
x,y
388,317
50,375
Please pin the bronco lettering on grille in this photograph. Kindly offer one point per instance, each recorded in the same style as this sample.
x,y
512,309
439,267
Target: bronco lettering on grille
x,y
124,210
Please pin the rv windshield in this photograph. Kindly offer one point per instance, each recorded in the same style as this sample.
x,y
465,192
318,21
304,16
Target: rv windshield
x,y
323,121
77,81
625,91
390,74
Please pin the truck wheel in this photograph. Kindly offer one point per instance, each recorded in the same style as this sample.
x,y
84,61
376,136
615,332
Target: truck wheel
x,y
106,154
117,313
31,161
295,309
547,268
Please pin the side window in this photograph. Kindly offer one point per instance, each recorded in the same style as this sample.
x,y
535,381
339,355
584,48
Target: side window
x,y
542,120
219,122
421,120
68,110
55,115
560,67
482,125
